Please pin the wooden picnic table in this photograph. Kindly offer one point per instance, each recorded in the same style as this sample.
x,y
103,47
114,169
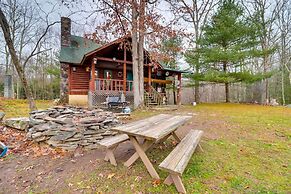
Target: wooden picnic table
x,y
152,130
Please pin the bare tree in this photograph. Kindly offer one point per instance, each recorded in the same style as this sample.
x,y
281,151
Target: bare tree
x,y
266,13
195,12
283,23
25,38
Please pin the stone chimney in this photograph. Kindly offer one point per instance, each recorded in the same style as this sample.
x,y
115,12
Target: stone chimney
x,y
65,42
65,31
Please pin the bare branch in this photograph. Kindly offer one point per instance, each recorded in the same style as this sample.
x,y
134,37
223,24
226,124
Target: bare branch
x,y
38,42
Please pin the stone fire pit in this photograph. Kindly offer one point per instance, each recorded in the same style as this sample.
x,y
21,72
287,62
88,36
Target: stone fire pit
x,y
70,127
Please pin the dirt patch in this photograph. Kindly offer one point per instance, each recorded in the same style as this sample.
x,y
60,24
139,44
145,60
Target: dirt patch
x,y
23,171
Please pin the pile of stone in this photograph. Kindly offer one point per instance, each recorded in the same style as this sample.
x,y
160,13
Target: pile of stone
x,y
70,127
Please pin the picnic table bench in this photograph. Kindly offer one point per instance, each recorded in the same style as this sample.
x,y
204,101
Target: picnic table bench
x,y
111,143
153,130
176,162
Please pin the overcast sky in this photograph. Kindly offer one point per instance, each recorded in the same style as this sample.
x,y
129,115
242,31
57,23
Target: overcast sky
x,y
79,14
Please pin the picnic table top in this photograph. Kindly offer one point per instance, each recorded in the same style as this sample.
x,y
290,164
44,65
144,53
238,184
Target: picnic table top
x,y
153,128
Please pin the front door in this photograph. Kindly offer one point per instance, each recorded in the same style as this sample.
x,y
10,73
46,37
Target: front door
x,y
129,77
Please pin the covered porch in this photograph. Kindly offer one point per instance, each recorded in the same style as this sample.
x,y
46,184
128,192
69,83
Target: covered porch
x,y
110,69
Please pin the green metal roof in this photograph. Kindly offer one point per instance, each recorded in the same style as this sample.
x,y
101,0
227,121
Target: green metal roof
x,y
172,69
79,47
176,70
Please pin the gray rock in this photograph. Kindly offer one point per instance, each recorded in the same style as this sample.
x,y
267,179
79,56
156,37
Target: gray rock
x,y
41,138
29,135
288,106
36,135
50,133
107,133
95,127
70,127
34,121
73,139
78,135
94,139
89,124
92,120
107,121
21,123
2,115
38,128
62,136
90,132
38,112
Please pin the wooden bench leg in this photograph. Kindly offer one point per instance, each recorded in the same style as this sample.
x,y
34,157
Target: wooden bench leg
x,y
169,180
178,139
147,144
110,156
165,138
144,158
200,147
176,179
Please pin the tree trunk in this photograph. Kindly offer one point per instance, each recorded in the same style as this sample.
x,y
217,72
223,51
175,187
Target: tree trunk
x,y
135,66
15,59
174,88
226,92
197,84
226,84
17,89
197,97
196,27
141,30
283,89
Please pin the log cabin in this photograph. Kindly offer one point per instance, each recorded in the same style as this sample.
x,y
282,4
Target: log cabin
x,y
91,72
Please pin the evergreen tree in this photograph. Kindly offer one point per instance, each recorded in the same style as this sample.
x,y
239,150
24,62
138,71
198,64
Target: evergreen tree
x,y
228,45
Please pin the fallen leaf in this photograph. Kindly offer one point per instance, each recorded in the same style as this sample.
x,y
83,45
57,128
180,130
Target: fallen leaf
x,y
110,175
156,182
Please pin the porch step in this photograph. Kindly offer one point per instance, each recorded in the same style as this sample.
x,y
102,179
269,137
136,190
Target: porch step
x,y
153,98
153,103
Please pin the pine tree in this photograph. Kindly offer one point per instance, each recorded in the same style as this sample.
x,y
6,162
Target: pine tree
x,y
227,47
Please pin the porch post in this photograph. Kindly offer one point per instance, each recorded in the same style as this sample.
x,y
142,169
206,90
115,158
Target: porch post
x,y
124,69
150,77
92,80
179,89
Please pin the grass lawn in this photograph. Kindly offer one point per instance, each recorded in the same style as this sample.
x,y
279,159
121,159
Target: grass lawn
x,y
18,108
246,150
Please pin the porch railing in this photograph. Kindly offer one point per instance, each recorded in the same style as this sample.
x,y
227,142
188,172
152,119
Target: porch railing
x,y
112,84
153,97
